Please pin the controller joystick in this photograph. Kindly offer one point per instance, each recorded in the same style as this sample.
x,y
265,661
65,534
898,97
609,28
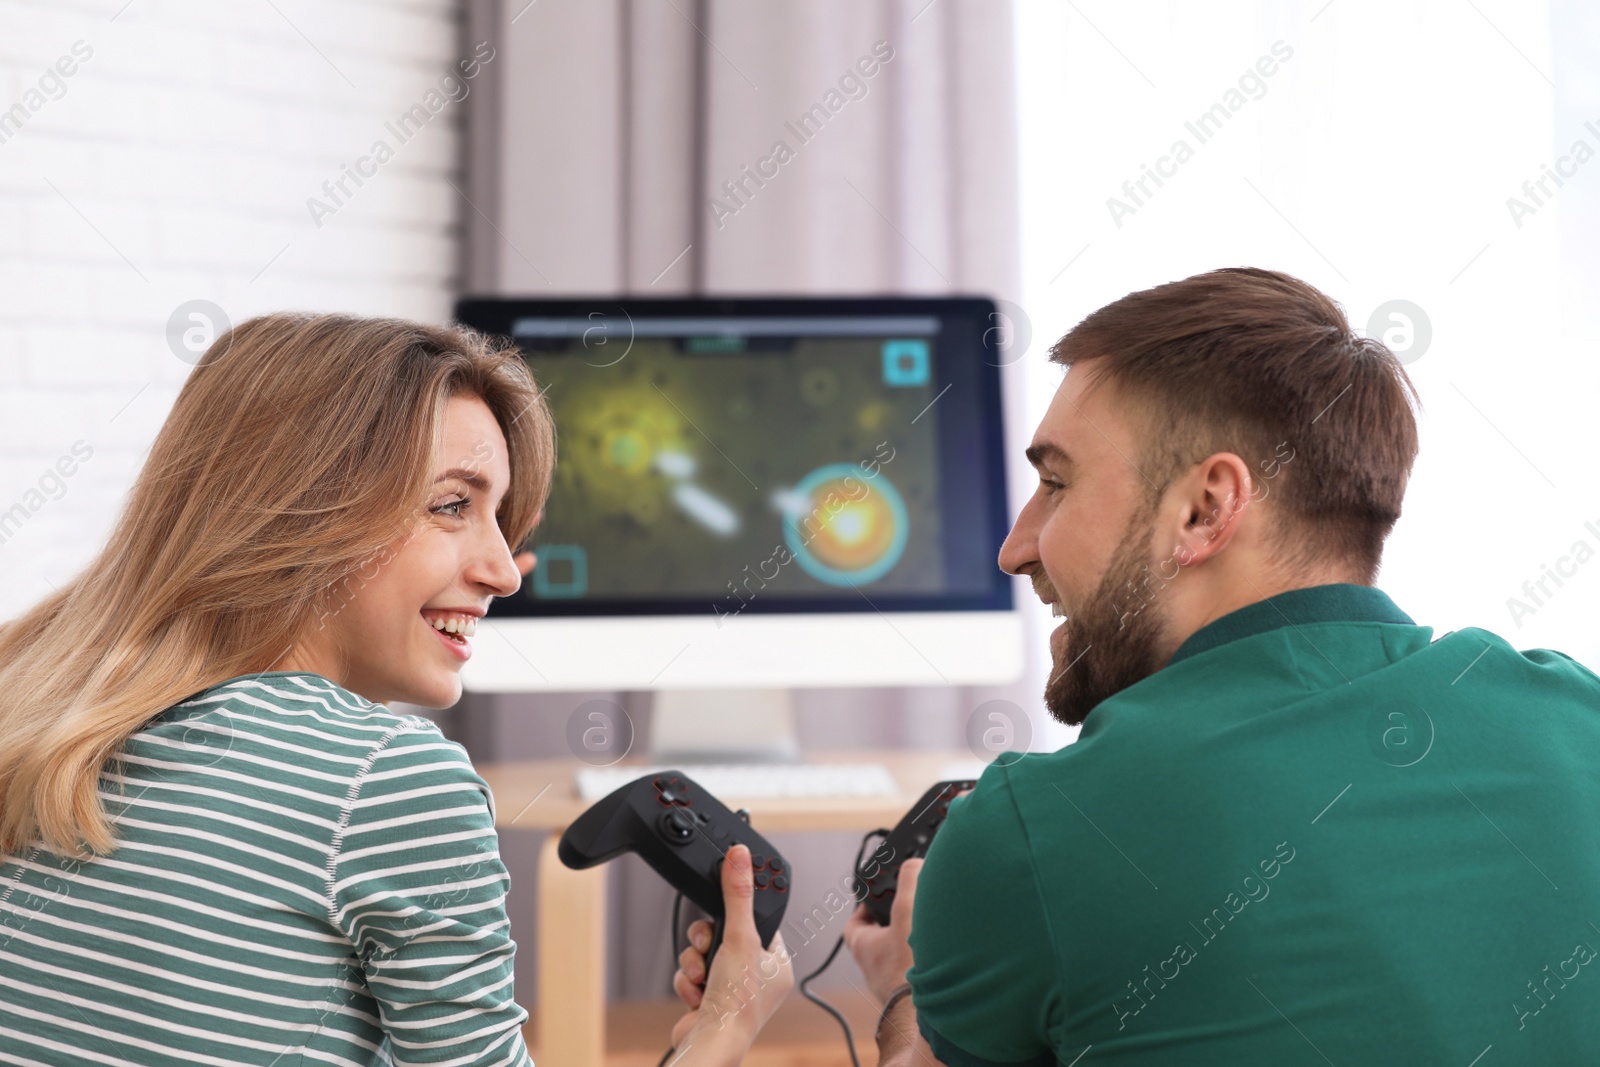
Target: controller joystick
x,y
677,827
683,833
879,874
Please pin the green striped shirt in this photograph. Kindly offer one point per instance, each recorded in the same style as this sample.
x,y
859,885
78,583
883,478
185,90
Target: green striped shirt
x,y
301,877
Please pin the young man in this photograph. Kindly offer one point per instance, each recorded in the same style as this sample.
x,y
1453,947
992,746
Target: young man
x,y
1296,826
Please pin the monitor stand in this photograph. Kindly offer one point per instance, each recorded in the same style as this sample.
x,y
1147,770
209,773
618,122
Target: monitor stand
x,y
689,726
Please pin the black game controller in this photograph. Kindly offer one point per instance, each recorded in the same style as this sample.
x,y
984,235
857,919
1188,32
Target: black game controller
x,y
683,832
907,841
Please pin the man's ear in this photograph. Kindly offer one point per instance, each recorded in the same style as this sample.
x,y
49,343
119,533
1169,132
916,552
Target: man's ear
x,y
1211,498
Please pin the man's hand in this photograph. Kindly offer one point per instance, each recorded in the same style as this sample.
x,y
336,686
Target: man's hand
x,y
884,952
884,955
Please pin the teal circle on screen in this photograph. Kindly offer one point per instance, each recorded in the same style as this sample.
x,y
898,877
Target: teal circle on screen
x,y
823,572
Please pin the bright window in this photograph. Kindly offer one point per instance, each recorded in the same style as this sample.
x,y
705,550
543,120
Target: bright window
x,y
1376,161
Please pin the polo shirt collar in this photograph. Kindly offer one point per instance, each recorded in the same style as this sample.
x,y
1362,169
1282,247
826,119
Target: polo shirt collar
x,y
1339,602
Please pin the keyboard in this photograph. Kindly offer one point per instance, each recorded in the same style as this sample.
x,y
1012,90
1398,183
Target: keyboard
x,y
739,781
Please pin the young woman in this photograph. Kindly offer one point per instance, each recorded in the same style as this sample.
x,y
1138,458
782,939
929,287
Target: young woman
x,y
217,845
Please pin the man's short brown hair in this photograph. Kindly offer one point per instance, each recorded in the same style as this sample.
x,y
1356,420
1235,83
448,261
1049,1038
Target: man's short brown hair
x,y
1245,360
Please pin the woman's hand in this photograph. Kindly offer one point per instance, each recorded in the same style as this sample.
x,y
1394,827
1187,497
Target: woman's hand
x,y
747,982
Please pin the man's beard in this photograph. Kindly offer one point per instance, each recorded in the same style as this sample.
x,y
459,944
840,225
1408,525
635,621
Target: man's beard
x,y
1111,641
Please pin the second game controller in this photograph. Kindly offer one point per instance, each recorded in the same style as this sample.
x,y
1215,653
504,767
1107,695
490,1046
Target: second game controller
x,y
879,875
683,832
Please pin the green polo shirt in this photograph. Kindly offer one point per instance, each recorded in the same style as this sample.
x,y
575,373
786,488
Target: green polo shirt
x,y
1317,835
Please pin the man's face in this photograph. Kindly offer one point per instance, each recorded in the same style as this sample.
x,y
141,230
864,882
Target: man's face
x,y
1085,539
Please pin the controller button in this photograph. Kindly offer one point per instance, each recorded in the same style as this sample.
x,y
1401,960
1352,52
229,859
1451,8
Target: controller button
x,y
780,883
758,860
775,865
678,826
762,878
719,832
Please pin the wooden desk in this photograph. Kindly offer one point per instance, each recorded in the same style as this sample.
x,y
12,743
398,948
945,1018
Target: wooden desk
x,y
542,795
797,1035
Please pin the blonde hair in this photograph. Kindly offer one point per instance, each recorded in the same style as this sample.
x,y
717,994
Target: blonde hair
x,y
298,451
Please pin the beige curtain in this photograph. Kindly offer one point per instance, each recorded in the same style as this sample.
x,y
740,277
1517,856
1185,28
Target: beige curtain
x,y
669,147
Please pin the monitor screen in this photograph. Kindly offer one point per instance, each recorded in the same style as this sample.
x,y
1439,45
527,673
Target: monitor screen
x,y
778,455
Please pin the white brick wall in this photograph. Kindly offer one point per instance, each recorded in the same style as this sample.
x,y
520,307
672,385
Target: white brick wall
x,y
191,140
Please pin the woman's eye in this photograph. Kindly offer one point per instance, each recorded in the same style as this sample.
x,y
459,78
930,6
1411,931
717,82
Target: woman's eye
x,y
1048,486
457,504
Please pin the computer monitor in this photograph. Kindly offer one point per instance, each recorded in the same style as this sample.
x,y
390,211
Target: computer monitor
x,y
760,493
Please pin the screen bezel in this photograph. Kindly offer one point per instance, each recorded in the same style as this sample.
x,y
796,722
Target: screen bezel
x,y
971,315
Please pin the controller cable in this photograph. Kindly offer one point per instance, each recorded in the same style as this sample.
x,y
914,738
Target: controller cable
x,y
849,1038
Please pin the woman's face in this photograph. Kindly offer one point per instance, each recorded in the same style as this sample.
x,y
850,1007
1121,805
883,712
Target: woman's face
x,y
380,642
